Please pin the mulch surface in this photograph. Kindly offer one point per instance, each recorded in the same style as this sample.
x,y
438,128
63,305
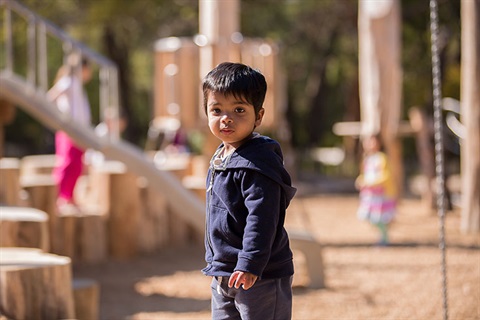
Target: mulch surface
x,y
362,280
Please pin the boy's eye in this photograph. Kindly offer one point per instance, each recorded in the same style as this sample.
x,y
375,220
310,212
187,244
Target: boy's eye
x,y
215,111
239,110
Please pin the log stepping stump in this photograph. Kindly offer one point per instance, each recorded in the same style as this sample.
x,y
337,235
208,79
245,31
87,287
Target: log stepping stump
x,y
10,181
116,192
80,235
42,164
35,285
24,227
86,294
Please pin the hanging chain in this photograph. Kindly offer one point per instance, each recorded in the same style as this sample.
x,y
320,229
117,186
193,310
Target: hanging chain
x,y
439,161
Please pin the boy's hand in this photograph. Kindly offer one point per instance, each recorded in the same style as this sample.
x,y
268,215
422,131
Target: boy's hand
x,y
239,278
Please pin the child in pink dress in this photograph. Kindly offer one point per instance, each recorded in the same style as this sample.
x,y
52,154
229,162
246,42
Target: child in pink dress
x,y
70,98
377,189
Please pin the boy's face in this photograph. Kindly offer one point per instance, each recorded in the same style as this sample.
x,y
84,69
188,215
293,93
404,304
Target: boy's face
x,y
230,119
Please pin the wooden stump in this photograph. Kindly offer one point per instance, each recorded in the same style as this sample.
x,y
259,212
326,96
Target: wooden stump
x,y
153,222
123,218
42,192
80,236
35,285
86,294
117,193
10,181
42,195
24,227
42,164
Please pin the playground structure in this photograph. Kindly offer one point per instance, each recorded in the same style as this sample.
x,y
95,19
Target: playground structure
x,y
175,68
129,204
181,63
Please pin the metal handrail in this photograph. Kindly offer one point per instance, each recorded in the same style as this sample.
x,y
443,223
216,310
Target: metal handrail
x,y
36,77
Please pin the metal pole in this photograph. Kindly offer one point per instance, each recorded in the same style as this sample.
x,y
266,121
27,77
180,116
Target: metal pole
x,y
31,66
42,57
8,40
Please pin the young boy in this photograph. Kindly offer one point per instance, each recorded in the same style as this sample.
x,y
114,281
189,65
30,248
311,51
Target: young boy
x,y
248,190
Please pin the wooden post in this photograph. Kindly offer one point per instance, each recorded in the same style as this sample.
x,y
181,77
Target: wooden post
x,y
381,76
470,109
423,129
24,227
35,285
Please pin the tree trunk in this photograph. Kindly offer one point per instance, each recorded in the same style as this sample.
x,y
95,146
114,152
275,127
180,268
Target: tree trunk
x,y
120,54
470,115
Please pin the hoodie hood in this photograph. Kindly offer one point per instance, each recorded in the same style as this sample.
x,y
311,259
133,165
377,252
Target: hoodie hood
x,y
264,155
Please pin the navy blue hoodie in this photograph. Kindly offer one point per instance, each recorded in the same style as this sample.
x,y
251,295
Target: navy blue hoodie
x,y
247,197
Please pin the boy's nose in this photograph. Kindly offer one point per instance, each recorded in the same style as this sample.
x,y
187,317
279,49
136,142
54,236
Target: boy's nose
x,y
226,118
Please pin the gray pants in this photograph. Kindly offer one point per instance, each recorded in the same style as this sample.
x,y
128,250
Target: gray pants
x,y
268,299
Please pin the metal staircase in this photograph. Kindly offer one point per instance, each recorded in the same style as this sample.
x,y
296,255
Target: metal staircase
x,y
32,33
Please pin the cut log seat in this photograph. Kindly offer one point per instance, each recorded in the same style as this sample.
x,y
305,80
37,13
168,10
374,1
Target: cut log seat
x,y
24,227
35,285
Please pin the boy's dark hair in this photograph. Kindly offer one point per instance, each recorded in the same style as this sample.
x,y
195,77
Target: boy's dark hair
x,y
238,80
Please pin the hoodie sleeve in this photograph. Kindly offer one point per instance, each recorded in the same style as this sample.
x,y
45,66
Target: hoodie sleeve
x,y
262,199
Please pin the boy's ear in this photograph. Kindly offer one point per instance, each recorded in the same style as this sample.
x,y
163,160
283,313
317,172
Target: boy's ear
x,y
259,118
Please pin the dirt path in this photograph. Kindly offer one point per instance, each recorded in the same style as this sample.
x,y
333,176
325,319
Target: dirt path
x,y
363,281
